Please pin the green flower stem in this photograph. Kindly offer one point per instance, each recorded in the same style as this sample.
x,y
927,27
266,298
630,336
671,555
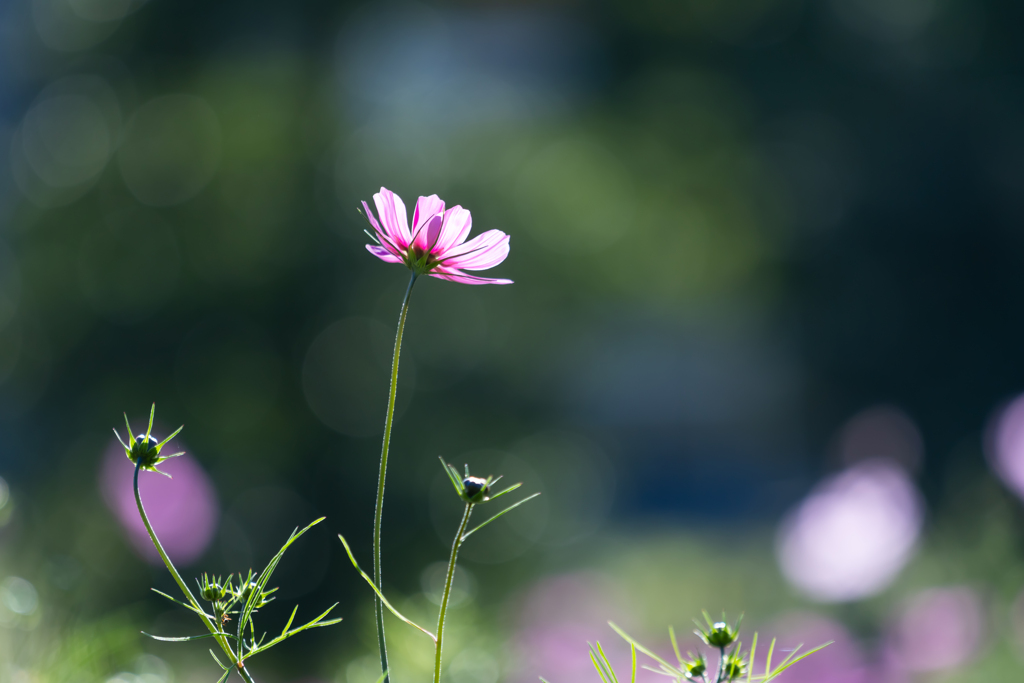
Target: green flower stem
x,y
184,588
721,665
378,607
459,538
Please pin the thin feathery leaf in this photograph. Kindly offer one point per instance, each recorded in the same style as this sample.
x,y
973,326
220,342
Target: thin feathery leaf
x,y
632,651
380,595
508,509
261,583
594,661
126,446
185,605
675,645
629,639
224,676
290,620
786,665
131,436
753,650
149,429
218,661
768,662
604,657
383,675
183,639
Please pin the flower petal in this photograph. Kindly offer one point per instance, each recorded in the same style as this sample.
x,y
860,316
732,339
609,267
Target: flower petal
x,y
453,275
482,252
426,221
383,253
393,217
454,231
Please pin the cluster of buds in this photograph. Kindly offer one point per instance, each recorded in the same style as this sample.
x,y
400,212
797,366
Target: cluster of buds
x,y
224,595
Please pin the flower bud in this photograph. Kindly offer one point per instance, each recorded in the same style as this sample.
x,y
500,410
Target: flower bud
x,y
734,666
719,635
696,666
475,489
213,592
145,451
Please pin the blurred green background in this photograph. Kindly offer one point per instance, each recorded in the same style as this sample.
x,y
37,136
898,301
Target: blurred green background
x,y
761,352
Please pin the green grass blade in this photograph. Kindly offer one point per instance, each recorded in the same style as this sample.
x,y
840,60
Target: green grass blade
x,y
508,509
380,595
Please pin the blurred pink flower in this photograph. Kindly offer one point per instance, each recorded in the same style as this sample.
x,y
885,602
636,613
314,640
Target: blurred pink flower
x,y
938,628
183,510
437,245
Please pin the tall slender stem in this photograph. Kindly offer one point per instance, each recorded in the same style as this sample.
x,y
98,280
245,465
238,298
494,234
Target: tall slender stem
x,y
721,665
448,589
183,586
378,607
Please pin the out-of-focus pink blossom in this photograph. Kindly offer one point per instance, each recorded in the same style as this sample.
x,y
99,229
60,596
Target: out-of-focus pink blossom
x,y
183,510
1005,445
558,617
436,245
841,662
853,533
938,628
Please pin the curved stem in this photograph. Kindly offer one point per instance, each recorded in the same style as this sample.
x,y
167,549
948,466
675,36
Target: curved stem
x,y
378,607
721,665
448,589
181,584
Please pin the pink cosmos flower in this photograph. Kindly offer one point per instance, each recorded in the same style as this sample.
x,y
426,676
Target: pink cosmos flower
x,y
436,245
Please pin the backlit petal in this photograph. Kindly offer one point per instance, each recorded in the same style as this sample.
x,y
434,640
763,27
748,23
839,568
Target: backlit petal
x,y
383,253
393,218
453,275
426,221
482,252
457,224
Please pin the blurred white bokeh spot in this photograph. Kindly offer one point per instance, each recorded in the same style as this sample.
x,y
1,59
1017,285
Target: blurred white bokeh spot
x,y
65,139
938,628
171,149
346,380
1005,444
854,532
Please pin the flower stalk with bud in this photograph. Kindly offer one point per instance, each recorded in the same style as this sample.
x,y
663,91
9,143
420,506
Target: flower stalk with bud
x,y
225,597
436,246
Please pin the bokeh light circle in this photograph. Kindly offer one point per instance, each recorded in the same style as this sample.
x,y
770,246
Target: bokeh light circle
x,y
851,536
345,381
171,149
